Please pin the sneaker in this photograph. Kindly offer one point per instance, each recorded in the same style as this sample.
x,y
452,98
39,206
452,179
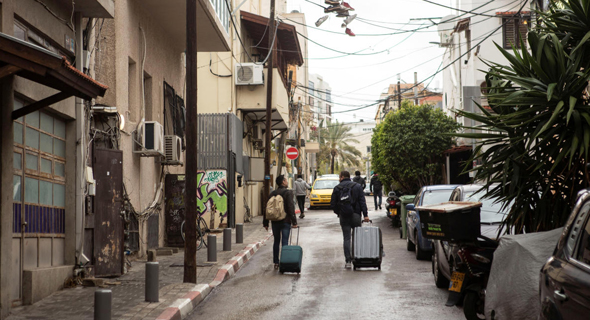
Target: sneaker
x,y
332,2
347,6
348,265
333,8
321,20
276,266
348,20
380,208
342,14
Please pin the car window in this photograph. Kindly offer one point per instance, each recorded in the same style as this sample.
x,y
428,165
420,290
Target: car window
x,y
417,197
491,211
584,244
435,196
325,184
577,226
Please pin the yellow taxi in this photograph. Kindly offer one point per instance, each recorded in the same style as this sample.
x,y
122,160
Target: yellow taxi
x,y
321,191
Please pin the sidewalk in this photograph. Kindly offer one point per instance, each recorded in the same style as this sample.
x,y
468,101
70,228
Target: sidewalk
x,y
128,296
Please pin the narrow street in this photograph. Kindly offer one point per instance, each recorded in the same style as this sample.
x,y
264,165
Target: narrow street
x,y
403,289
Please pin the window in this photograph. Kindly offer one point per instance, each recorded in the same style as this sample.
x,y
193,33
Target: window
x,y
311,101
328,95
24,32
513,30
39,172
368,149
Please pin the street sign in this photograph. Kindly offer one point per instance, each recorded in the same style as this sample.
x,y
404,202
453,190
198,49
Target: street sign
x,y
292,153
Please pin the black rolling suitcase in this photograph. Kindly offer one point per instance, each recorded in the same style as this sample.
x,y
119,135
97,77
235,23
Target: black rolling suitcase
x,y
367,247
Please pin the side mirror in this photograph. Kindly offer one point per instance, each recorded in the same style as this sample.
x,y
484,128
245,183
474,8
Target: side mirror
x,y
410,206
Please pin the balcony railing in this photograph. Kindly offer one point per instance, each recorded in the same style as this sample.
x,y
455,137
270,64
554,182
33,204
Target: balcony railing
x,y
222,13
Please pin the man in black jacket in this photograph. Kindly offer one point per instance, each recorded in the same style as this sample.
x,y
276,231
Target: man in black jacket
x,y
360,180
359,205
377,190
281,229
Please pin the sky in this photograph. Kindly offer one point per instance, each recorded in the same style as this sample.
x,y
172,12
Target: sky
x,y
358,80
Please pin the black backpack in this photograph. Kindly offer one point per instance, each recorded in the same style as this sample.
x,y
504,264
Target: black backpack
x,y
346,201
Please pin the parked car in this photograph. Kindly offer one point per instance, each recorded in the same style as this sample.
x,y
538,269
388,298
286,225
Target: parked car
x,y
491,216
321,192
426,196
368,191
330,175
565,278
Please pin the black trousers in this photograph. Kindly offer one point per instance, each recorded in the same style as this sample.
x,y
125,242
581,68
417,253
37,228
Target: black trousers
x,y
301,203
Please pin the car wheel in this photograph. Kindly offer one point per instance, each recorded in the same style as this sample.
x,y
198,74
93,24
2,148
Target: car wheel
x,y
401,232
439,279
410,246
420,254
473,306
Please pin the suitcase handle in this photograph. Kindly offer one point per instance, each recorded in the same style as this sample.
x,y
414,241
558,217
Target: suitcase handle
x,y
370,221
291,235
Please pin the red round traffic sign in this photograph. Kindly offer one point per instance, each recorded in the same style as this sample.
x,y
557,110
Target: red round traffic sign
x,y
292,153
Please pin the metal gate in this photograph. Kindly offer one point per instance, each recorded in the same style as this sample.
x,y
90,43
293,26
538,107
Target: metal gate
x,y
231,196
108,224
174,209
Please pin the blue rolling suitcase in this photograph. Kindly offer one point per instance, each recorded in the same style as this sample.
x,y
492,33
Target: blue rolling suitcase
x,y
291,257
367,247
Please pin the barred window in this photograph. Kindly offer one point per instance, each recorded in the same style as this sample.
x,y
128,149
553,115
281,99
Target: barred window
x,y
513,30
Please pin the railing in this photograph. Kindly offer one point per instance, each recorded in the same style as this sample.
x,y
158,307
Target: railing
x,y
222,12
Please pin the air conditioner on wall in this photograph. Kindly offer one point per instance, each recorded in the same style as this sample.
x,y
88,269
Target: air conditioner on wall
x,y
173,149
149,139
249,74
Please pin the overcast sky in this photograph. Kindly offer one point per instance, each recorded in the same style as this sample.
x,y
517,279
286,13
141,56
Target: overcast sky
x,y
358,80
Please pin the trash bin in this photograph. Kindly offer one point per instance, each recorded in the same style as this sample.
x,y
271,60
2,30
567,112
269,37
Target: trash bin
x,y
405,200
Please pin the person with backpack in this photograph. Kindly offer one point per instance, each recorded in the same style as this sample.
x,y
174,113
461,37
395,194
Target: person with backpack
x,y
280,209
301,188
360,180
377,190
348,202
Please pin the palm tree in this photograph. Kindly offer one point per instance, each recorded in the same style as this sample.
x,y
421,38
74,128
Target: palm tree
x,y
335,139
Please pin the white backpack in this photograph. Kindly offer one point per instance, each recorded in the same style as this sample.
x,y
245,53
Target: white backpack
x,y
275,209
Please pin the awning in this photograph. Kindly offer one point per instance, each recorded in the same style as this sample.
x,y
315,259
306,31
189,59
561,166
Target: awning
x,y
457,149
287,40
259,116
40,65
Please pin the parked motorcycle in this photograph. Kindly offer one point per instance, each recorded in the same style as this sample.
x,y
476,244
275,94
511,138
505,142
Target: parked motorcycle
x,y
393,207
471,270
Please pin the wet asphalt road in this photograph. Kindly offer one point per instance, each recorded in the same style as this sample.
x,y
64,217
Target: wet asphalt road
x,y
403,289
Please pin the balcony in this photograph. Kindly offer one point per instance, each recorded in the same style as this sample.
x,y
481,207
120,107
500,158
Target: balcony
x,y
93,8
252,101
213,22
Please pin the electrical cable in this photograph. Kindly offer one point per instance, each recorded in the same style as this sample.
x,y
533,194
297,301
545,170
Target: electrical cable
x,y
215,74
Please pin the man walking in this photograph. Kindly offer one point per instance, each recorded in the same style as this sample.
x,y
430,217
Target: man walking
x,y
282,228
360,180
348,202
377,190
301,188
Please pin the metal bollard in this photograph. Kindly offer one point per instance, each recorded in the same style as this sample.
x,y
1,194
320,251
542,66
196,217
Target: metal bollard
x,y
227,239
152,280
240,233
102,304
212,248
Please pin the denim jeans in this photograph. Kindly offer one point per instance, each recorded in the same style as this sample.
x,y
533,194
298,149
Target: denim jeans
x,y
377,194
280,230
348,225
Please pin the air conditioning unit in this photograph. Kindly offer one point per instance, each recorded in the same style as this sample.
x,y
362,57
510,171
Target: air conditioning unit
x,y
173,149
149,139
257,144
249,74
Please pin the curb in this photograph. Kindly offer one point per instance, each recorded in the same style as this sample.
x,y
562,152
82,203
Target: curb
x,y
183,306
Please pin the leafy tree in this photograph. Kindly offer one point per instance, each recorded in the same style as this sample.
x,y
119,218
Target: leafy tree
x,y
536,138
407,146
335,148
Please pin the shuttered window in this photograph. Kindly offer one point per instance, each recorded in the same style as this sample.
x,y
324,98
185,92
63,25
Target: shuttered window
x,y
513,30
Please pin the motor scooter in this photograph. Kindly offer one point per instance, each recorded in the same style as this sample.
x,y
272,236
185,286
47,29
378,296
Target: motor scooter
x,y
393,208
471,270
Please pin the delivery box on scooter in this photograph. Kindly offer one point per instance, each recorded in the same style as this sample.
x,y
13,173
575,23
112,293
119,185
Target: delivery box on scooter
x,y
450,221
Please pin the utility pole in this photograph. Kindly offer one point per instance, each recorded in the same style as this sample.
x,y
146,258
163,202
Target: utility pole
x,y
190,196
399,92
268,133
416,88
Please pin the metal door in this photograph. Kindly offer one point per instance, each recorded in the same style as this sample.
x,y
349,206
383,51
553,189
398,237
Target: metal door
x,y
174,208
231,191
108,230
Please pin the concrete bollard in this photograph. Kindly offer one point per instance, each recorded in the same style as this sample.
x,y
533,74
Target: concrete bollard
x,y
102,304
240,233
211,248
152,281
227,239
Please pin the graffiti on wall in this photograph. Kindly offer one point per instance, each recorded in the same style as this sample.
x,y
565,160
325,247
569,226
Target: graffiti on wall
x,y
212,191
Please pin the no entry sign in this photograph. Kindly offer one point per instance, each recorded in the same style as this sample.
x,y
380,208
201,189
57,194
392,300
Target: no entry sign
x,y
292,153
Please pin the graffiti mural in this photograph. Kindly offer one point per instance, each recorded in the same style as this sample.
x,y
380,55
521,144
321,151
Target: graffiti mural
x,y
212,191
